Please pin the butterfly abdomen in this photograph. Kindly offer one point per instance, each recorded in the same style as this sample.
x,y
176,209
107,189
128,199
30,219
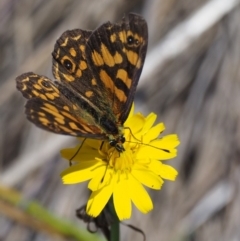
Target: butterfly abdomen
x,y
109,125
82,107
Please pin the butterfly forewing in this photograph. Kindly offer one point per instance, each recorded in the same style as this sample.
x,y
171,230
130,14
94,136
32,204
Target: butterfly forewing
x,y
116,54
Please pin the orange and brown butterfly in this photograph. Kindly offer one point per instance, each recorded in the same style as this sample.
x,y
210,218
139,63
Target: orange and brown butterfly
x,y
97,73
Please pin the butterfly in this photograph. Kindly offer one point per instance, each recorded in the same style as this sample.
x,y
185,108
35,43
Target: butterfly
x,y
96,74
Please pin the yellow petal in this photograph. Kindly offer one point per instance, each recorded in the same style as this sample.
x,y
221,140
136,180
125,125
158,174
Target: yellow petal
x,y
167,142
121,200
149,121
148,178
96,181
74,154
153,133
92,143
98,200
102,178
135,123
168,172
79,173
139,195
155,166
155,153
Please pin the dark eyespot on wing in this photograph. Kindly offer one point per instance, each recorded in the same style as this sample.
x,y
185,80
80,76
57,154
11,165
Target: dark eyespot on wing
x,y
32,85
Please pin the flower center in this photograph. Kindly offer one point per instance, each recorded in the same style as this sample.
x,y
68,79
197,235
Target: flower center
x,y
122,162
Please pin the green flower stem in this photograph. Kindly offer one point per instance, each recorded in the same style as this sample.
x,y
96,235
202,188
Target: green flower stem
x,y
48,222
115,229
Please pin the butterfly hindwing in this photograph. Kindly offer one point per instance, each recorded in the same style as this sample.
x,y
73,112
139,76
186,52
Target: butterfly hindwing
x,y
36,86
50,107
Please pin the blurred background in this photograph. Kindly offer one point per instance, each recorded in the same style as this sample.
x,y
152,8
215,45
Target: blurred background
x,y
191,79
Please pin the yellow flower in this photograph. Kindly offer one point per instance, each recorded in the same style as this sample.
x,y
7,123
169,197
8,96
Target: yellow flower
x,y
125,174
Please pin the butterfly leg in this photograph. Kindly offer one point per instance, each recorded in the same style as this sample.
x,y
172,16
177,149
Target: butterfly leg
x,y
79,148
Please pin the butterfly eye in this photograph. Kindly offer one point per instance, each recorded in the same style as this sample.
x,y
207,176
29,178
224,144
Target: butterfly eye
x,y
68,64
113,143
136,42
122,139
130,40
46,84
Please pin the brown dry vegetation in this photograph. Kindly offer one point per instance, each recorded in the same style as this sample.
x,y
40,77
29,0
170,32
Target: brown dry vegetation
x,y
191,80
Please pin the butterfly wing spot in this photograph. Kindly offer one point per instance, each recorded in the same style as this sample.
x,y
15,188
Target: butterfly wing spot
x,y
41,114
132,57
56,71
89,94
130,40
68,77
68,64
83,65
73,126
97,58
118,58
50,96
36,86
53,113
108,82
106,79
33,85
113,37
82,48
93,82
65,42
75,107
69,116
73,52
139,63
23,87
79,73
121,95
57,54
107,57
36,93
76,38
51,107
137,40
22,83
43,120
122,36
66,130
122,75
65,107
60,120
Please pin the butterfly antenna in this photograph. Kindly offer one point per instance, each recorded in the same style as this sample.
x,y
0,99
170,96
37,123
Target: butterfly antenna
x,y
132,135
79,148
143,143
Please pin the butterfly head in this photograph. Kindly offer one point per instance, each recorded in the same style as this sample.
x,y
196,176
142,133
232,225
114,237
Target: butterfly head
x,y
118,143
